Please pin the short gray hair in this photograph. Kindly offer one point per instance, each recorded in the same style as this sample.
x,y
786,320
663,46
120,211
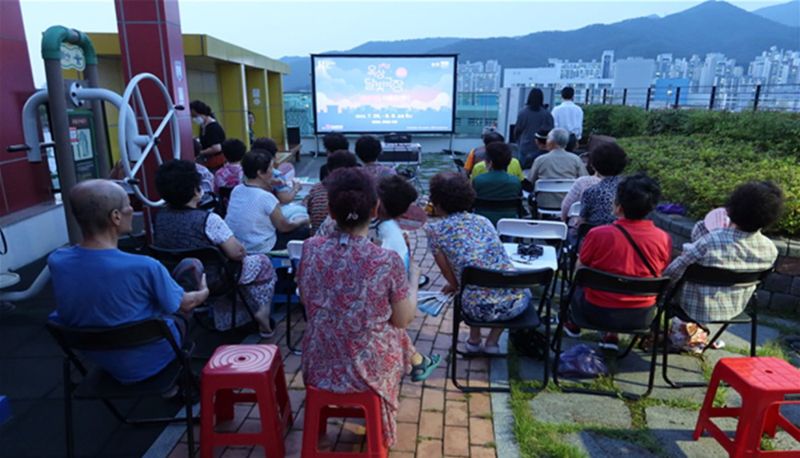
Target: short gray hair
x,y
559,136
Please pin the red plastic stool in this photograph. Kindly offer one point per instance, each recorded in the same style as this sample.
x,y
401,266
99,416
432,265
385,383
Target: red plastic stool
x,y
254,367
762,383
321,405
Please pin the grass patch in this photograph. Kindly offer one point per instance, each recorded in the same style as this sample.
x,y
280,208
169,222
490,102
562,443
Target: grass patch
x,y
771,348
535,438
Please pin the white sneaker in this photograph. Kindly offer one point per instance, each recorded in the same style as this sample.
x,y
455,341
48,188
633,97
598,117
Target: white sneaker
x,y
473,348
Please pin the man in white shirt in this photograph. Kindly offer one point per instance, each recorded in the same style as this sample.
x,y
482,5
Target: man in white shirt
x,y
570,117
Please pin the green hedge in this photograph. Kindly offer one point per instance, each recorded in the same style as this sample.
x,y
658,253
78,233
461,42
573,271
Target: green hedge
x,y
775,132
700,173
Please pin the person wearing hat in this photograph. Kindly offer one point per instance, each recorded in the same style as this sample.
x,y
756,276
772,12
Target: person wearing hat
x,y
540,141
476,161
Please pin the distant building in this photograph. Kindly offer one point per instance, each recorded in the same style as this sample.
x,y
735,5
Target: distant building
x,y
607,64
479,76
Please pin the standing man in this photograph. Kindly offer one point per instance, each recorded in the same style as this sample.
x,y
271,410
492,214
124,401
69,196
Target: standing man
x,y
570,117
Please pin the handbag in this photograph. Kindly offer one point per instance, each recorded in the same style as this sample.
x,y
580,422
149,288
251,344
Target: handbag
x,y
528,342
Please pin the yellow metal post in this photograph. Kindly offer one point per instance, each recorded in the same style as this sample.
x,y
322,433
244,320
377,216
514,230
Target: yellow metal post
x,y
258,100
233,114
277,127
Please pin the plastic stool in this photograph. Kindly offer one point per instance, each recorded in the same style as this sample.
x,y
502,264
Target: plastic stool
x,y
321,405
762,383
254,367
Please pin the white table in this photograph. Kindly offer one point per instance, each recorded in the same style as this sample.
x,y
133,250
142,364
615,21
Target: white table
x,y
547,260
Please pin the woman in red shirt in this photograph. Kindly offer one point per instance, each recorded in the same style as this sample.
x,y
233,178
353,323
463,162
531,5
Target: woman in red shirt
x,y
607,248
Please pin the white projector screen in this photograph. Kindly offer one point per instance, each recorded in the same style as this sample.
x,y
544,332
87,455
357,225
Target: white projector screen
x,y
384,94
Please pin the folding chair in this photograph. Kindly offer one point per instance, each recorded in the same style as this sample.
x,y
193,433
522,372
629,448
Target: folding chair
x,y
538,230
486,207
603,281
223,197
222,274
485,278
551,186
713,277
574,210
295,249
96,383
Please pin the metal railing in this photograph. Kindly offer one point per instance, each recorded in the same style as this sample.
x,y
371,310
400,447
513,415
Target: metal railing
x,y
474,111
751,97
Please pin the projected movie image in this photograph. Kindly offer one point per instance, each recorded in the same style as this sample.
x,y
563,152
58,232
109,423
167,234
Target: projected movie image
x,y
384,94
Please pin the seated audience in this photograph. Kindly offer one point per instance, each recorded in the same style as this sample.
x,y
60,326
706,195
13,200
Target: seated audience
x,y
254,215
480,166
317,199
597,202
96,285
557,163
207,178
368,149
460,239
741,246
497,184
576,192
332,142
181,225
230,174
540,142
395,196
608,249
358,301
284,189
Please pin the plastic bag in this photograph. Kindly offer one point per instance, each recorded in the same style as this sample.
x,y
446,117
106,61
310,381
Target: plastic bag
x,y
581,361
688,337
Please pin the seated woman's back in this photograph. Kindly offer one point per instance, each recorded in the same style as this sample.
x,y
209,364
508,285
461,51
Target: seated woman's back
x,y
348,284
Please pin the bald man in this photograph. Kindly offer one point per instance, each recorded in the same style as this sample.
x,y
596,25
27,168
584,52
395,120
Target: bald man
x,y
97,285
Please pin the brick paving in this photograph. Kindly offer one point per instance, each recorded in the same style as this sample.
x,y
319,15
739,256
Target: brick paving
x,y
435,419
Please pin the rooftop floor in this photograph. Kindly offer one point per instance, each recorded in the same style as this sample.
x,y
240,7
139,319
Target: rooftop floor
x,y
435,419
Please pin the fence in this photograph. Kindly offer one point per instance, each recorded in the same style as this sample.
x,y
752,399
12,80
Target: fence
x,y
778,97
475,110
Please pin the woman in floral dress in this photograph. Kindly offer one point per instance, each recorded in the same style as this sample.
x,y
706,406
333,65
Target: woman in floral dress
x,y
358,302
461,239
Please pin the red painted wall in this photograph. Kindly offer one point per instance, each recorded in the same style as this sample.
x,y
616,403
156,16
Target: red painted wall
x,y
22,184
150,41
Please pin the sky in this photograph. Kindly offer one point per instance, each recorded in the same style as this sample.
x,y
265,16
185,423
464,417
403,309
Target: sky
x,y
291,28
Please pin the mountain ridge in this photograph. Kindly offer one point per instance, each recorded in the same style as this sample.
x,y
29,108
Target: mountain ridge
x,y
738,34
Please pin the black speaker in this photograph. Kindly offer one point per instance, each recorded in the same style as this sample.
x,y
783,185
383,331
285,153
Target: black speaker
x,y
293,136
397,138
511,137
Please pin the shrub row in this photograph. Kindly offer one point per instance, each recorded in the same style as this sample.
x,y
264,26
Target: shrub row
x,y
776,132
700,174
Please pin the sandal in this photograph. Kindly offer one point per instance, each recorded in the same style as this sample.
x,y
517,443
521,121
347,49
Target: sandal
x,y
423,370
268,334
491,349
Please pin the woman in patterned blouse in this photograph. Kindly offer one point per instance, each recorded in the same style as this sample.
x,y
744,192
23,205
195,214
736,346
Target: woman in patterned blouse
x,y
358,301
597,202
460,239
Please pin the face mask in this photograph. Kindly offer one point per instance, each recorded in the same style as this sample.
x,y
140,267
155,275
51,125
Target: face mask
x,y
198,120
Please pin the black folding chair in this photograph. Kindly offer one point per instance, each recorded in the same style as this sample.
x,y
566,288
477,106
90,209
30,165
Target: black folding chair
x,y
485,278
223,197
222,274
714,277
630,286
98,384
